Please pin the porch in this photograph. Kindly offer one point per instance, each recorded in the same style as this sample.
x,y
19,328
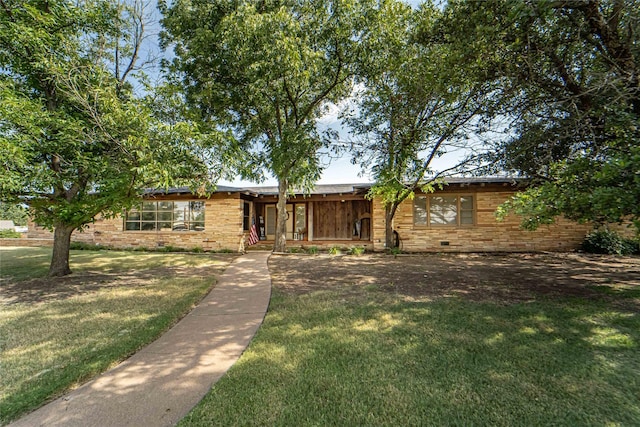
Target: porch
x,y
325,222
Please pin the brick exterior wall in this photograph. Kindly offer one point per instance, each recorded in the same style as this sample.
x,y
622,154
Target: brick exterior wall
x,y
222,230
487,234
25,242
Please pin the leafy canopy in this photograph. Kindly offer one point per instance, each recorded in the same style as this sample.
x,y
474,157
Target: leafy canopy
x,y
572,91
75,140
416,103
265,71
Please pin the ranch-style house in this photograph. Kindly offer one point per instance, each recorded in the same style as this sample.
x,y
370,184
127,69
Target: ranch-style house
x,y
458,218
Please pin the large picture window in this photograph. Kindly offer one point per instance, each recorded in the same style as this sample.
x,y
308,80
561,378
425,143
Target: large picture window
x,y
443,210
166,216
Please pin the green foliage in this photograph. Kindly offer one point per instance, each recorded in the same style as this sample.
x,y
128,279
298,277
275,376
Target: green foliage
x,y
75,140
395,251
170,248
356,250
265,72
568,72
294,250
9,234
605,241
312,250
82,246
595,190
335,250
197,250
417,102
14,212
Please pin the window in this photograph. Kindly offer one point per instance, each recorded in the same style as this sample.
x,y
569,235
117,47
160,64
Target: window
x,y
246,216
166,216
443,210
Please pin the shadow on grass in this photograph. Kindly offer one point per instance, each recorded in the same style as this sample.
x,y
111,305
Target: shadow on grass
x,y
327,359
23,271
58,345
472,339
502,279
168,376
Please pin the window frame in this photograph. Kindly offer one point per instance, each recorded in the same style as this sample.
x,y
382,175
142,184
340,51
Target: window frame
x,y
458,196
190,222
246,216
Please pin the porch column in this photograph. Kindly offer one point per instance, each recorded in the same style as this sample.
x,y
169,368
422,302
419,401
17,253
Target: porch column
x,y
310,222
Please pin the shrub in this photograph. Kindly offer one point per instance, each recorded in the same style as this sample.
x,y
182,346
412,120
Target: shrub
x,y
9,234
197,249
633,246
170,248
294,250
312,250
225,251
395,251
356,250
334,250
608,242
83,246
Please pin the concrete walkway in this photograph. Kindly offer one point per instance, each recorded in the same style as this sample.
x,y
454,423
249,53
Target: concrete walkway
x,y
162,382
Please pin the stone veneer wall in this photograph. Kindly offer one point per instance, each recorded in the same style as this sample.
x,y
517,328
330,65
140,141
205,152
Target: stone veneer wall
x,y
486,235
223,229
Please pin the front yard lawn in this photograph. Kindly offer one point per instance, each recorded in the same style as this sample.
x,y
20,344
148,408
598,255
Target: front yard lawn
x,y
57,333
440,340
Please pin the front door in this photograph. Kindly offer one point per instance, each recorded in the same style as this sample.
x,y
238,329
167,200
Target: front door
x,y
296,221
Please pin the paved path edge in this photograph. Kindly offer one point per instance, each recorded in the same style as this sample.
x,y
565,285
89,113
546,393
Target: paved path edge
x,y
162,382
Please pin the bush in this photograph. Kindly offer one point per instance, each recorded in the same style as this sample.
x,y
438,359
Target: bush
x,y
197,250
83,246
395,251
633,246
9,234
609,242
334,250
356,250
312,250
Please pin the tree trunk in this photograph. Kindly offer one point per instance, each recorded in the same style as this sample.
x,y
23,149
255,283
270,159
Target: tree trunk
x,y
389,213
60,259
280,244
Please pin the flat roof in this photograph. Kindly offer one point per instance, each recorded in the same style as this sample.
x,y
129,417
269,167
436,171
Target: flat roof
x,y
333,188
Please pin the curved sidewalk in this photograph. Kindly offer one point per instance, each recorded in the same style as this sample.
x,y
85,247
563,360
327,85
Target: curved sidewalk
x,y
160,384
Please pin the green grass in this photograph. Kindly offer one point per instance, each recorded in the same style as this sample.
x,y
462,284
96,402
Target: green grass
x,y
27,263
50,346
364,357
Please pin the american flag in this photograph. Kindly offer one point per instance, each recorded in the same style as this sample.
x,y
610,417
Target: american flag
x,y
253,235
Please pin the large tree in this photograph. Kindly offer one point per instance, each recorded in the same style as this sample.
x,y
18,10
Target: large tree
x,y
74,140
418,105
265,71
572,69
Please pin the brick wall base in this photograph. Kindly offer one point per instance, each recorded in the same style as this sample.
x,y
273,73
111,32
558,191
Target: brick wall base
x,y
26,242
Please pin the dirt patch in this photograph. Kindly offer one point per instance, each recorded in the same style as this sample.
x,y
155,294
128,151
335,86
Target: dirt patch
x,y
47,289
502,278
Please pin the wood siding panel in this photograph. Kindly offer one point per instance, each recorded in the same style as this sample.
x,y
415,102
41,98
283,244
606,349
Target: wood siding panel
x,y
332,220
